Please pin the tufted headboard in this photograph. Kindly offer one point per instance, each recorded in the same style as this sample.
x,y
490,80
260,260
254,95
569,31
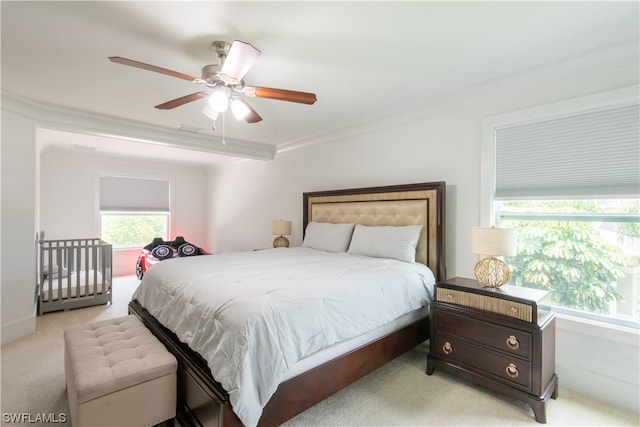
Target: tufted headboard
x,y
390,205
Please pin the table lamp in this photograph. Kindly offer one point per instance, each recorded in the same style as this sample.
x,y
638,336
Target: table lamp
x,y
280,228
493,242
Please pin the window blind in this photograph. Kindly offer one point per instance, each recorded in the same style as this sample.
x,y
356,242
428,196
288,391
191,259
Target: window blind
x,y
133,194
592,154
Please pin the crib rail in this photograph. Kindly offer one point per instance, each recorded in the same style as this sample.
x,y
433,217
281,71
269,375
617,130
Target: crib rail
x,y
73,273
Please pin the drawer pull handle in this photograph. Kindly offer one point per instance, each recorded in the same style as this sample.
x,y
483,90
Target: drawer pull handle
x,y
512,370
446,347
513,343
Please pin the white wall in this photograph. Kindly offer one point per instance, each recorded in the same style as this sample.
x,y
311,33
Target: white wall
x,y
20,204
69,197
439,140
18,213
263,191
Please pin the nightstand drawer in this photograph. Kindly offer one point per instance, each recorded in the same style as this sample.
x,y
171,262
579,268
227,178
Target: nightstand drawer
x,y
491,304
498,337
512,370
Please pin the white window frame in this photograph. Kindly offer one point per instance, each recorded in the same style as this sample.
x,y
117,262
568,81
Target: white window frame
x,y
623,96
619,97
98,213
586,217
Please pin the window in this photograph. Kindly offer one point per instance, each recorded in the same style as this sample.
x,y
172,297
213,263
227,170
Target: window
x,y
133,229
587,252
570,185
133,211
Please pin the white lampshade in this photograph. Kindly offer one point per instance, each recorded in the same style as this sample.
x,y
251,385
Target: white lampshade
x,y
280,227
219,99
210,112
239,109
494,241
240,58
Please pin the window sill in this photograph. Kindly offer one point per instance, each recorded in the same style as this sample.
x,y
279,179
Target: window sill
x,y
598,329
137,249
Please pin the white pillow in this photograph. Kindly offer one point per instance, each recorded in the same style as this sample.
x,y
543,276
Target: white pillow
x,y
326,236
55,272
386,241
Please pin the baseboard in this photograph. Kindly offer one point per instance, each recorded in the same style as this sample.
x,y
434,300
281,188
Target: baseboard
x,y
617,393
599,360
17,330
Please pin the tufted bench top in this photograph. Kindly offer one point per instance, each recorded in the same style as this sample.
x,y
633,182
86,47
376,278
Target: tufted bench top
x,y
114,354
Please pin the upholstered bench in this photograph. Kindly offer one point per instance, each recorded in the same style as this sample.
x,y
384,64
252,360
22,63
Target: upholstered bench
x,y
118,374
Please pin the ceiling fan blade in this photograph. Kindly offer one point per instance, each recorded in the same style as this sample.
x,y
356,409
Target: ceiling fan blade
x,y
282,94
182,100
148,67
240,58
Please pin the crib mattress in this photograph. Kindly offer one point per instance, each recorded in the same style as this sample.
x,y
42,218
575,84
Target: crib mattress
x,y
74,285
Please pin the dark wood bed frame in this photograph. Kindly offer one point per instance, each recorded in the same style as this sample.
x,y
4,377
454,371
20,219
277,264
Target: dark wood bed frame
x,y
201,399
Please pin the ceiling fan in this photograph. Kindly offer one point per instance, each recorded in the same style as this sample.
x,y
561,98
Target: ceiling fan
x,y
225,84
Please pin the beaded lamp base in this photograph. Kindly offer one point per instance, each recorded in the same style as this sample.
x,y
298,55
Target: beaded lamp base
x,y
280,242
492,272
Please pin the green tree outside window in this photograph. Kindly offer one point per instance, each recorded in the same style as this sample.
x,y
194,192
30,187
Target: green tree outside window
x,y
573,258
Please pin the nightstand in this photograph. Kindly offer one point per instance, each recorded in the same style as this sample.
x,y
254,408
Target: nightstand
x,y
497,338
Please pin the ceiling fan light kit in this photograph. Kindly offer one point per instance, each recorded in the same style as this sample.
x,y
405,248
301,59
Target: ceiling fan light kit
x,y
239,108
225,83
219,98
210,112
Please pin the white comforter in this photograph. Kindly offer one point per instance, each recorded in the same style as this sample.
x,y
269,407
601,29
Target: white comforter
x,y
252,315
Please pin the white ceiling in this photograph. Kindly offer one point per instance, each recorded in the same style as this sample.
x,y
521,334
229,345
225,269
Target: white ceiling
x,y
362,59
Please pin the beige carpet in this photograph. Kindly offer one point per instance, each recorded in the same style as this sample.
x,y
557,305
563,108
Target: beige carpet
x,y
399,393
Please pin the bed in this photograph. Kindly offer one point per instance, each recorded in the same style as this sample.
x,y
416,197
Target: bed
x,y
321,370
73,273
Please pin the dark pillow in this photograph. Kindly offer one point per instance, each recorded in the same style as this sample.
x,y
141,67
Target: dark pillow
x,y
156,242
178,241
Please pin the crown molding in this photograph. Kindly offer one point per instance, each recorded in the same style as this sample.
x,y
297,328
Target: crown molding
x,y
67,119
617,61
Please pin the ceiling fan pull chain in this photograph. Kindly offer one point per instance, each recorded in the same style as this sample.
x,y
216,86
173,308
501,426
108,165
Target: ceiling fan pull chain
x,y
223,121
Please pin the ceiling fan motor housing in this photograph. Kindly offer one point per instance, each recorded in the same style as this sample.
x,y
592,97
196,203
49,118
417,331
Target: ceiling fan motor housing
x,y
213,77
211,73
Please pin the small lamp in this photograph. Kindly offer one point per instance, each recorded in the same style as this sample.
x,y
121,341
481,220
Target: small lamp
x,y
239,108
280,227
219,99
493,242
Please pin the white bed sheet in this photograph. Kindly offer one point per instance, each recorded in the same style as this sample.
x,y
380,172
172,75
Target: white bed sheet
x,y
254,315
